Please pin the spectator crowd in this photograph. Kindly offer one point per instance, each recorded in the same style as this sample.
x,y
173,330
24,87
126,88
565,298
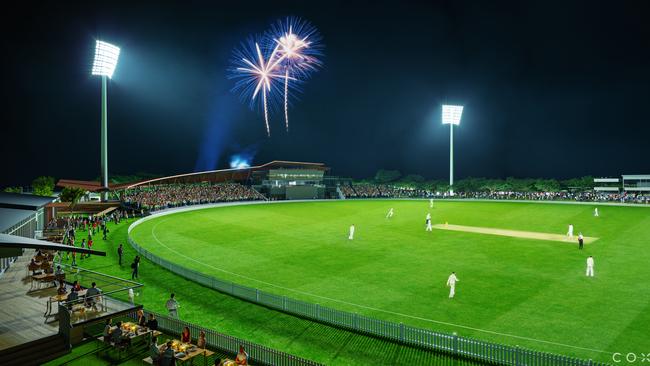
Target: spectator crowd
x,y
156,197
386,191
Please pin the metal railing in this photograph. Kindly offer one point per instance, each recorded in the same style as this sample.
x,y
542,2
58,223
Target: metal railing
x,y
257,353
452,344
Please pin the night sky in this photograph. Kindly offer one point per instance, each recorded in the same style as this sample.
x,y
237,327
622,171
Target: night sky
x,y
550,89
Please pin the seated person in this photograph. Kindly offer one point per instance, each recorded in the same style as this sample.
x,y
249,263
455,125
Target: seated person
x,y
200,342
152,323
154,351
76,285
92,295
33,266
61,290
168,356
142,321
108,329
185,336
116,335
242,357
72,296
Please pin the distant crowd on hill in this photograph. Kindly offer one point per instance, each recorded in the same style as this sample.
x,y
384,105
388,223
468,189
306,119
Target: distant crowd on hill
x,y
386,191
156,197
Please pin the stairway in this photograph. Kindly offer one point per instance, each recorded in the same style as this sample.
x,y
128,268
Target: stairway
x,y
35,352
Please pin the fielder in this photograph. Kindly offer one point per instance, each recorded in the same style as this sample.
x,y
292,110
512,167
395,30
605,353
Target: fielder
x,y
451,283
428,221
590,266
596,212
390,213
351,236
570,232
172,306
431,203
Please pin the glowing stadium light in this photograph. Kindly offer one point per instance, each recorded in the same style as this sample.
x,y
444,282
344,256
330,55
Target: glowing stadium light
x,y
451,116
106,56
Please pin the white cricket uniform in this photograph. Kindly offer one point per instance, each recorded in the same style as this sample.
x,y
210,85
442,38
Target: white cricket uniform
x,y
570,232
596,212
429,227
351,236
172,307
431,203
390,213
451,282
590,267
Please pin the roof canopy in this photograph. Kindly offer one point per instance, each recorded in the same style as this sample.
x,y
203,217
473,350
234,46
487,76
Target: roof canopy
x,y
22,201
13,241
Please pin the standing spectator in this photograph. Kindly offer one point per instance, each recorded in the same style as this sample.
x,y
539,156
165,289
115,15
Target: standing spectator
x,y
172,306
120,251
90,245
137,265
134,269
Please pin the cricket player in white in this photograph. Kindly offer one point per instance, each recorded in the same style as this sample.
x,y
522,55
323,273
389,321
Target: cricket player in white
x,y
172,306
431,203
596,212
428,221
351,236
451,283
590,266
390,213
570,232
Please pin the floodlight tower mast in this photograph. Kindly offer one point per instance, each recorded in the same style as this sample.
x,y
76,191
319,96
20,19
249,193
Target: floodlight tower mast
x,y
106,56
451,116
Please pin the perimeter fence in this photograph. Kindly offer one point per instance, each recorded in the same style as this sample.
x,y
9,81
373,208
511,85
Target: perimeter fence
x,y
452,344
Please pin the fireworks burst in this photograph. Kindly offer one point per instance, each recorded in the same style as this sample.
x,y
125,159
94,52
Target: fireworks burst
x,y
288,55
255,72
298,46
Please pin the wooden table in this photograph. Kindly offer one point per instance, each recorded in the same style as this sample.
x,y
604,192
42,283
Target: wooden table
x,y
59,298
190,355
40,278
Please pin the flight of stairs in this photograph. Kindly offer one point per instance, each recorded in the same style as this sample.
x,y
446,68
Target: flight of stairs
x,y
36,352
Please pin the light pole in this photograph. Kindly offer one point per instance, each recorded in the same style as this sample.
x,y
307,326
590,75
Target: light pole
x,y
106,56
451,116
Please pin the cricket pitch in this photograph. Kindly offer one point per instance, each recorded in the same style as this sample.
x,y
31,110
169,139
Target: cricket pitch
x,y
515,233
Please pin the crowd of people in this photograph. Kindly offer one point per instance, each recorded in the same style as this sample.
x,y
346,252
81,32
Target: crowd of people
x,y
367,190
382,191
162,196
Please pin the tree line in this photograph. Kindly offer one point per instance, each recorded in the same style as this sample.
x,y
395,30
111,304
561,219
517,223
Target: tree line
x,y
472,184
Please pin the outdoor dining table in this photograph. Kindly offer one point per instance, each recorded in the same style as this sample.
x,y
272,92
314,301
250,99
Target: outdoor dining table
x,y
190,351
40,278
59,298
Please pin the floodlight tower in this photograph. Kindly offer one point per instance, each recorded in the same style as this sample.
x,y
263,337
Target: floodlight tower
x,y
451,116
106,56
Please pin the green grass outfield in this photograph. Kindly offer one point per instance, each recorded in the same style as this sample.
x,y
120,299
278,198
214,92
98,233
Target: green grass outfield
x,y
526,292
232,316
